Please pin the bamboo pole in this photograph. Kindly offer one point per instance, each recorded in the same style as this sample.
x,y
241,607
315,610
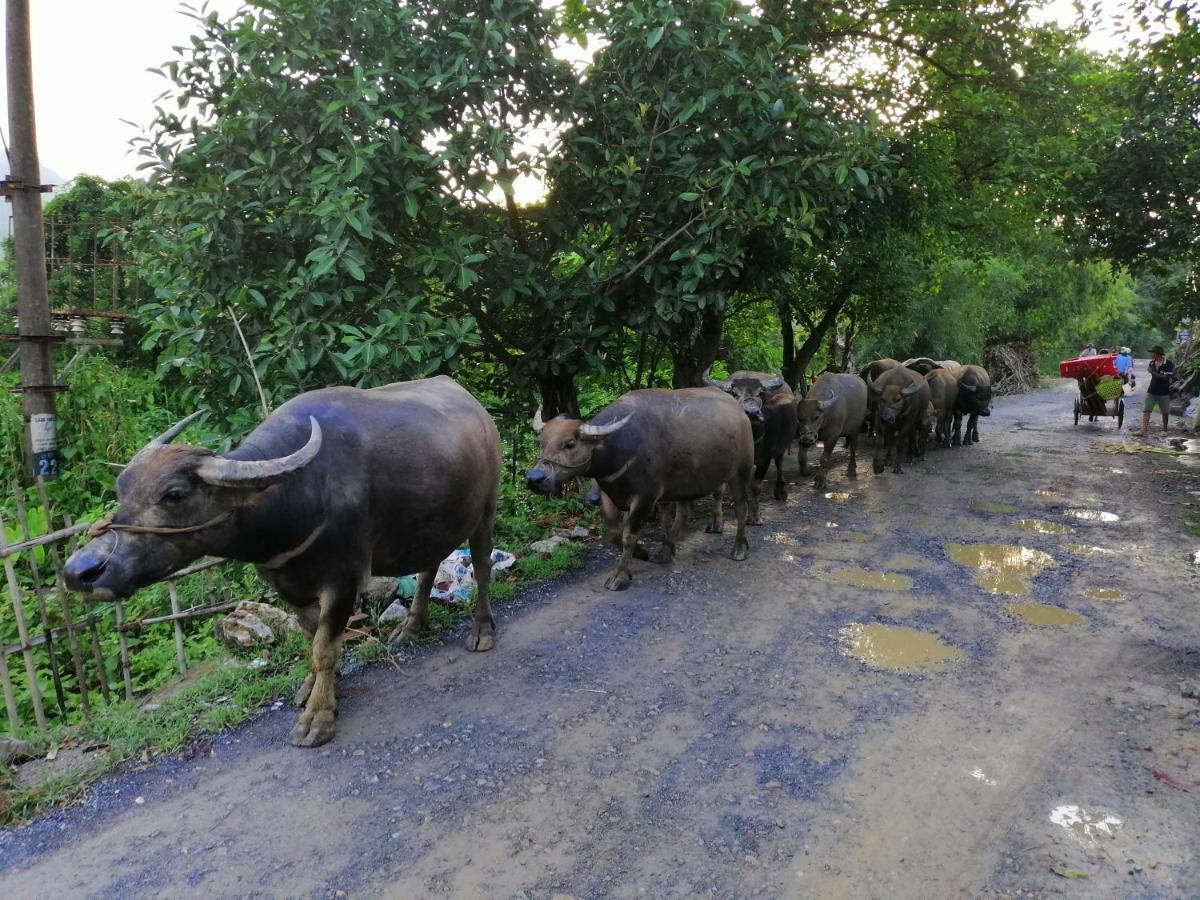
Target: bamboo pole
x,y
48,538
194,612
180,653
39,594
14,590
97,652
119,611
56,562
10,698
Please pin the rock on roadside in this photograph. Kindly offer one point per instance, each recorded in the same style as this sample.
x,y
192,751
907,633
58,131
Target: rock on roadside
x,y
251,624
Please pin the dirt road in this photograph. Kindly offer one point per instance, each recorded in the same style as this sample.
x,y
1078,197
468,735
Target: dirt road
x,y
708,733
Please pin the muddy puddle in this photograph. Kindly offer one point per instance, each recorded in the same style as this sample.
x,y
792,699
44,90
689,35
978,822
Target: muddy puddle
x,y
898,649
1045,616
1090,551
840,496
1040,526
884,581
1048,493
1111,595
1086,825
1002,568
1091,515
988,506
1190,446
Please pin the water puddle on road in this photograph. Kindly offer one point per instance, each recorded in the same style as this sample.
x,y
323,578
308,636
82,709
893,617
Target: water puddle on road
x,y
1112,595
884,581
1002,568
1092,515
1046,616
1090,551
832,525
898,649
988,506
840,496
1086,825
1048,493
1040,526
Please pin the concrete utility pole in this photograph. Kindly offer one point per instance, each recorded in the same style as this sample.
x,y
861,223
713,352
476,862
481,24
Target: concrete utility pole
x,y
24,188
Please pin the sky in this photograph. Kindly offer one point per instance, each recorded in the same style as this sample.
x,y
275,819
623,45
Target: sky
x,y
90,59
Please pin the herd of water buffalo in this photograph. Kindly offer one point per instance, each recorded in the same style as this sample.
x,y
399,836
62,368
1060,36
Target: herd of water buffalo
x,y
341,484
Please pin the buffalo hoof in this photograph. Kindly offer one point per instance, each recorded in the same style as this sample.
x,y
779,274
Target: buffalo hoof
x,y
878,468
819,483
640,552
313,729
754,519
618,581
482,636
714,528
780,492
852,474
663,555
408,633
304,690
740,550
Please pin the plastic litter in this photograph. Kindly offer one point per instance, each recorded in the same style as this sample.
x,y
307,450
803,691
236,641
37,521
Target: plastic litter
x,y
456,576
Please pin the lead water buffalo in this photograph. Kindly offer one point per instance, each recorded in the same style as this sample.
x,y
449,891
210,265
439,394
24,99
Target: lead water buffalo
x,y
335,486
869,373
649,446
974,400
943,392
835,407
901,403
771,407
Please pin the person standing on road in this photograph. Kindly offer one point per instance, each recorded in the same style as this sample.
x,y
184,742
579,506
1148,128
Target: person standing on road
x,y
1124,365
1158,394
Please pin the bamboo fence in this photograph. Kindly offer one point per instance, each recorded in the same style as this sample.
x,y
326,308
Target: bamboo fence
x,y
59,632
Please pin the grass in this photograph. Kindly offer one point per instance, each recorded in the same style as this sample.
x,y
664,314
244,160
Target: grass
x,y
228,696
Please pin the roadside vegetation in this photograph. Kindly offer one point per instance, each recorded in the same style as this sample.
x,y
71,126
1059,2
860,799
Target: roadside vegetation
x,y
802,186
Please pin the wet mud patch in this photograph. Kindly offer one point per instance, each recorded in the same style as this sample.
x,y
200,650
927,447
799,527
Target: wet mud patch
x,y
990,506
1041,526
865,578
1092,515
1045,616
1109,595
897,648
801,775
1002,568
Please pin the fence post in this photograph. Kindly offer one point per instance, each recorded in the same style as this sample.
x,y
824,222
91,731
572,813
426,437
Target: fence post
x,y
180,654
10,697
14,590
88,610
119,612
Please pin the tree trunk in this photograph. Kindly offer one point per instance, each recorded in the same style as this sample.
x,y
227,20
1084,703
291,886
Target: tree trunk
x,y
813,342
791,372
558,395
694,359
848,347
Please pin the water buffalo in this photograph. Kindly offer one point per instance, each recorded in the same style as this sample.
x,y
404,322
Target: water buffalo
x,y
951,365
335,486
650,446
835,407
771,407
869,373
974,400
943,391
923,365
901,401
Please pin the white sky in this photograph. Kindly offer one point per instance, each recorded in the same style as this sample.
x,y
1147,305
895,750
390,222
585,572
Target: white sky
x,y
90,59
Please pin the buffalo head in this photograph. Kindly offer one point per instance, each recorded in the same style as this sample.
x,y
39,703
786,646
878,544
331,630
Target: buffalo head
x,y
567,446
810,416
176,504
890,398
978,397
750,391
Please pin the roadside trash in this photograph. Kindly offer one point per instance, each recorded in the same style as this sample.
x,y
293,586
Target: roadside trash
x,y
253,623
397,612
456,576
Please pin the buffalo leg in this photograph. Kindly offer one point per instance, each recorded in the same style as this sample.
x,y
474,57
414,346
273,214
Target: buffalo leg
x,y
308,617
418,611
315,725
756,480
614,523
882,449
803,453
826,462
482,636
956,440
716,524
852,446
780,485
673,525
740,488
973,429
639,510
901,444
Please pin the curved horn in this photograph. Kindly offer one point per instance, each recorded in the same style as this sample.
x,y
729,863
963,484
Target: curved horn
x,y
712,382
966,387
823,405
875,386
774,384
224,472
599,431
169,435
538,424
912,388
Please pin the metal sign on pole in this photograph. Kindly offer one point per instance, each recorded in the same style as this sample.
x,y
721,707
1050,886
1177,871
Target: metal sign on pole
x,y
23,188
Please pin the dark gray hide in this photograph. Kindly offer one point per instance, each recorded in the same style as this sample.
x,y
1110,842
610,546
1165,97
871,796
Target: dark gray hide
x,y
771,407
922,365
869,373
974,400
835,407
650,446
402,476
901,401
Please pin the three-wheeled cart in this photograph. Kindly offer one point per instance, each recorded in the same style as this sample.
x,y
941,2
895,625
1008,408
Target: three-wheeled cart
x,y
1100,396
